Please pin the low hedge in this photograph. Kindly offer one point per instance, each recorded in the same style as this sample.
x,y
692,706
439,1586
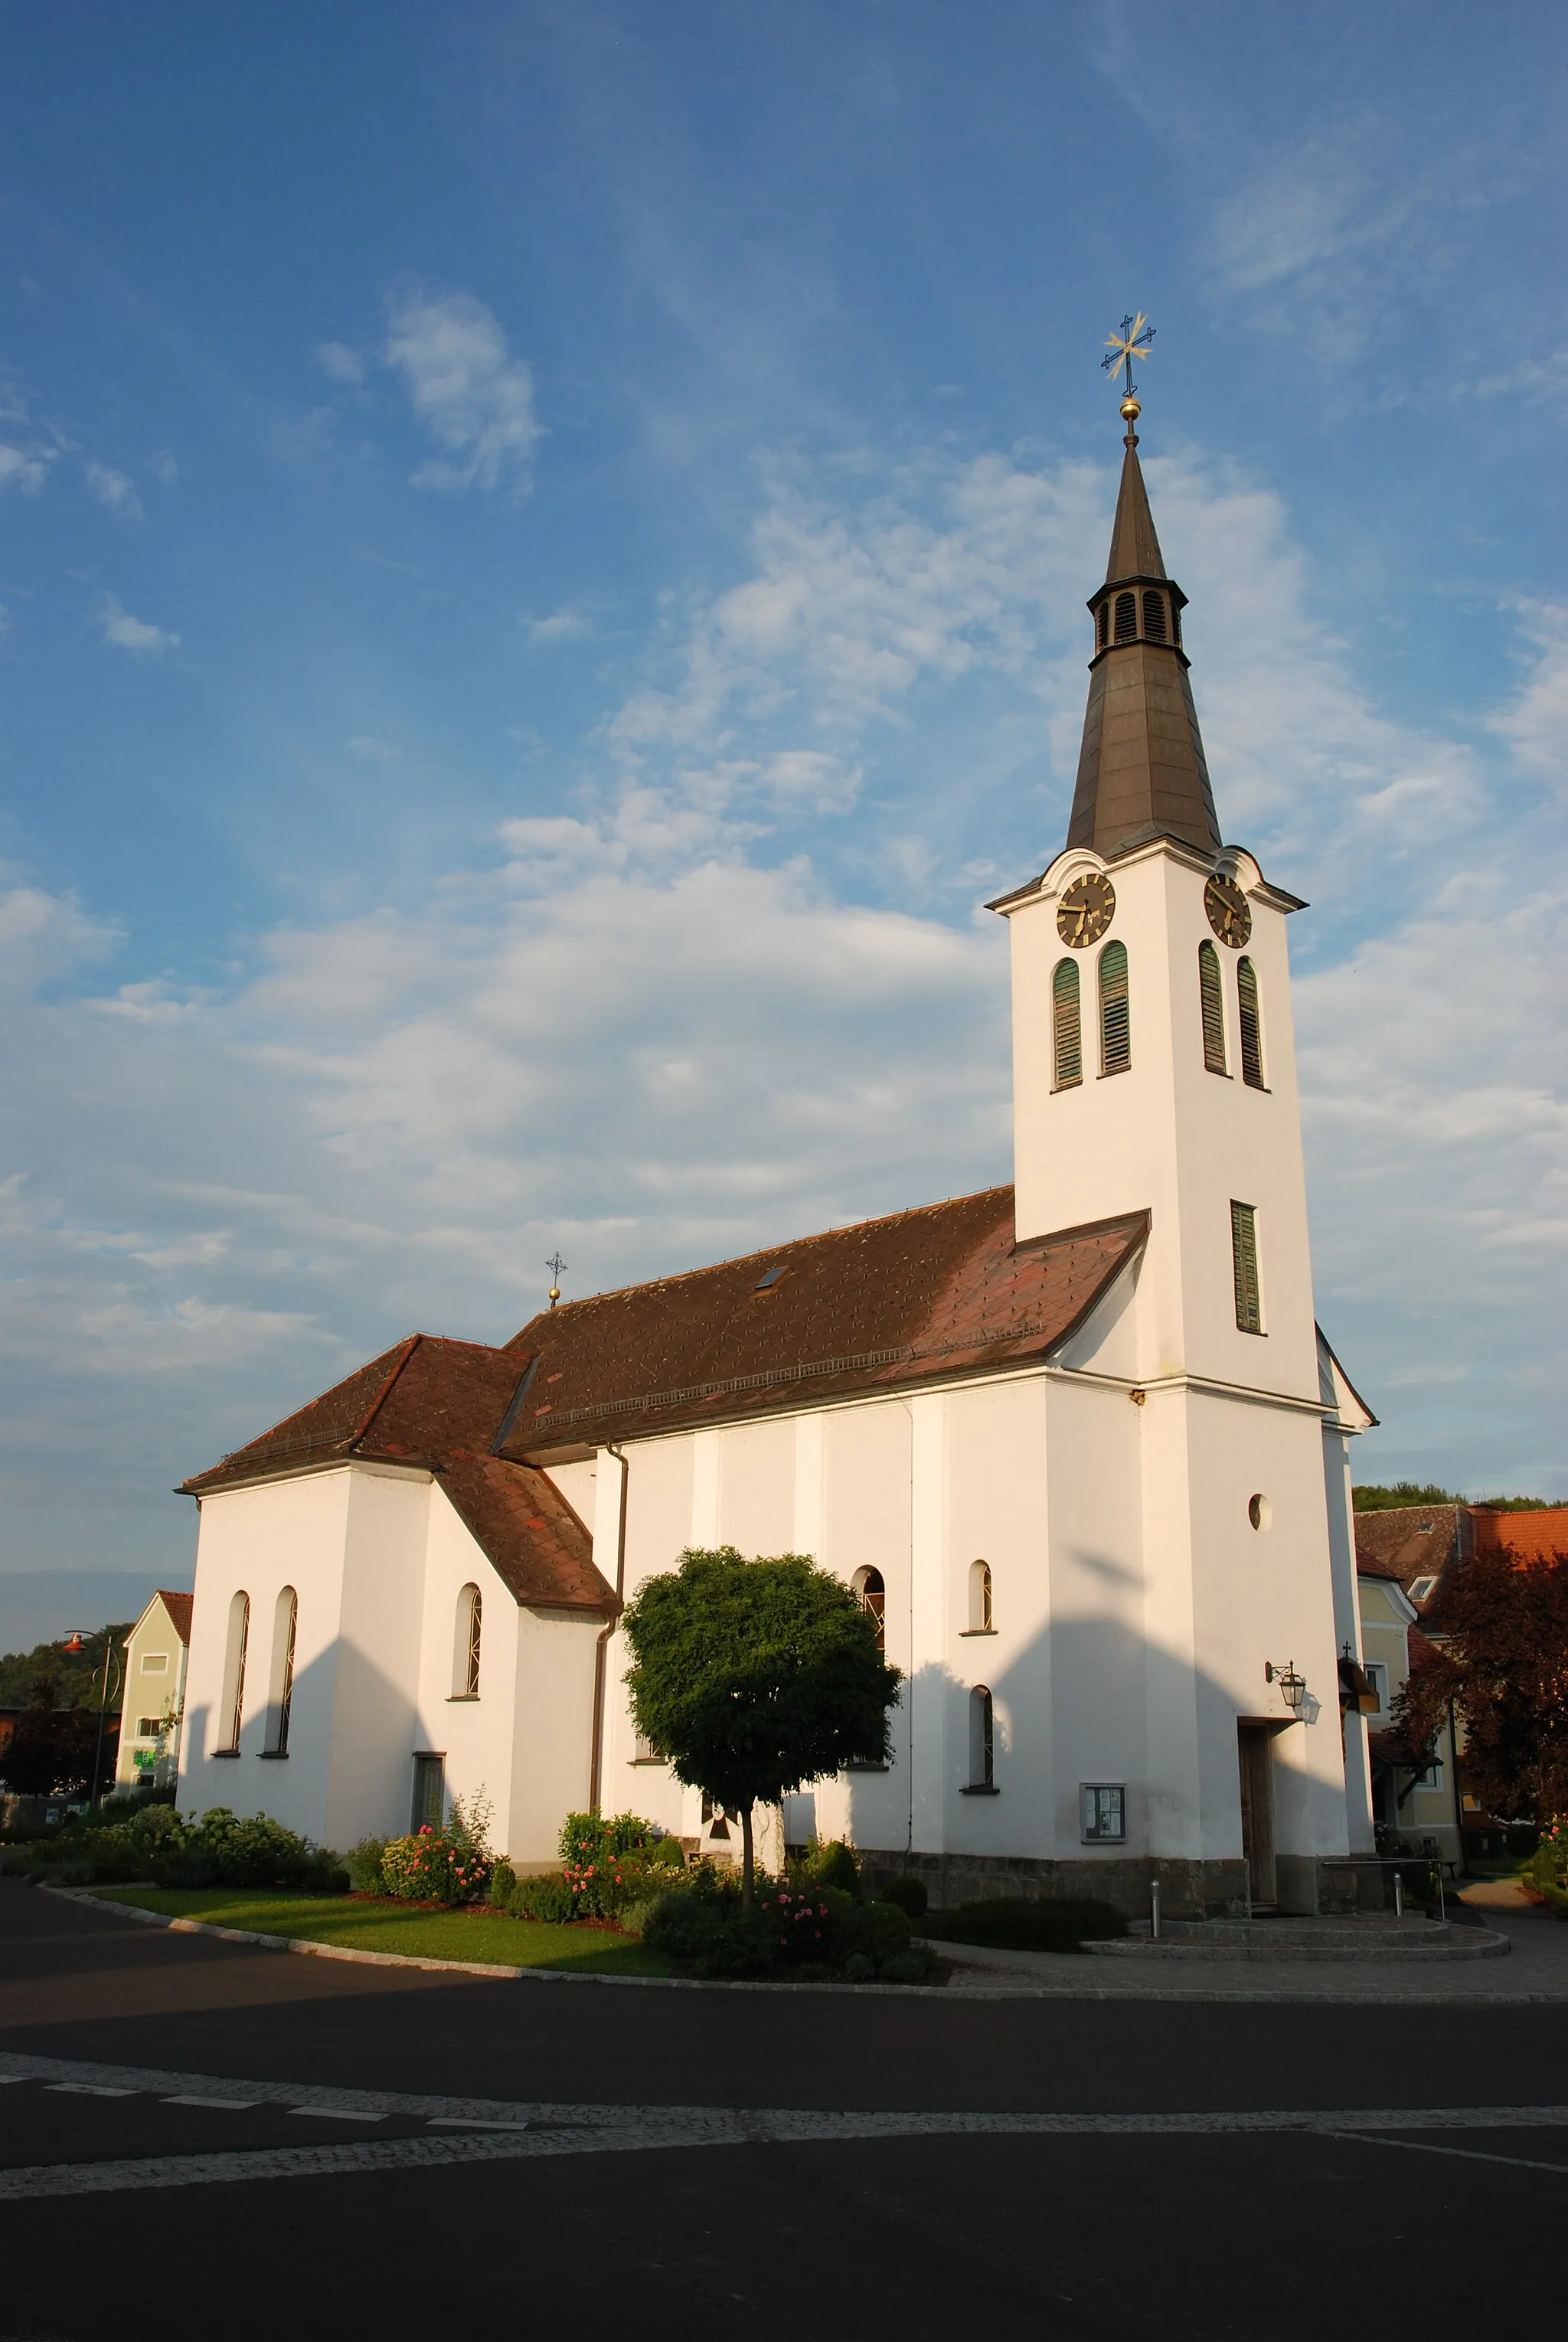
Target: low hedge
x,y
1014,1924
217,1849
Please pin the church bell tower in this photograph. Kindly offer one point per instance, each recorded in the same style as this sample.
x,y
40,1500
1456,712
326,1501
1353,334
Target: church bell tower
x,y
1154,1054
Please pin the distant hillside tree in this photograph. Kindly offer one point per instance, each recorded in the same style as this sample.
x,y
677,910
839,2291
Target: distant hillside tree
x,y
1502,1662
51,1752
1371,1499
755,1677
76,1677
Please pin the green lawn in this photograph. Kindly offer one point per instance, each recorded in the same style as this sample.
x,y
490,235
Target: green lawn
x,y
387,1927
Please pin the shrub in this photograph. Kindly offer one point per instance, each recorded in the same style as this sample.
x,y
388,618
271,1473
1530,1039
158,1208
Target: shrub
x,y
907,1894
451,1866
877,1931
503,1879
833,1865
1548,1868
153,1842
802,1920
548,1896
363,1862
911,1966
615,1862
1015,1924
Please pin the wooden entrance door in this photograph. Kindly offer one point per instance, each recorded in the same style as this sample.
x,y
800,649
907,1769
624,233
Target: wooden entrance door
x,y
1254,1749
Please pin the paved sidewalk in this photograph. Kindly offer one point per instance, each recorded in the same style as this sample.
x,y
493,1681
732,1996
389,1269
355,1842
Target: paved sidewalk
x,y
1536,1969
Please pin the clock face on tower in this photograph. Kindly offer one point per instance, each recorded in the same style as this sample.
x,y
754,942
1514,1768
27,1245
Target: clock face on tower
x,y
1230,913
1085,910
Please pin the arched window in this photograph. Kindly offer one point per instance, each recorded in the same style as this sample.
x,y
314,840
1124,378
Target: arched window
x,y
1066,1034
467,1629
1176,623
233,1706
980,1622
871,1593
1115,1026
1213,1000
982,1739
1251,1025
1103,624
1126,617
279,1691
1154,614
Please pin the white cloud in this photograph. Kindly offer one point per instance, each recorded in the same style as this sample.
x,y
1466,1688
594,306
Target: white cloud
x,y
473,396
372,750
339,363
1536,724
23,468
114,491
135,634
563,626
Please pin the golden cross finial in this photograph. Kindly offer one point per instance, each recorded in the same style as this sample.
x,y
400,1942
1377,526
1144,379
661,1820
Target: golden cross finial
x,y
1131,342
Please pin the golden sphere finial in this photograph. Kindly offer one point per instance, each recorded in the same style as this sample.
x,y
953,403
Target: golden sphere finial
x,y
1131,410
555,1295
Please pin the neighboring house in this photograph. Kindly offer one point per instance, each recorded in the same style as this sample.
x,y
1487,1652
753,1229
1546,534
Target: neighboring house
x,y
154,1700
1077,1444
1418,1544
1412,1791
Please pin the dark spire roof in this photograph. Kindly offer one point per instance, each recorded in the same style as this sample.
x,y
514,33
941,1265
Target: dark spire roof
x,y
1141,772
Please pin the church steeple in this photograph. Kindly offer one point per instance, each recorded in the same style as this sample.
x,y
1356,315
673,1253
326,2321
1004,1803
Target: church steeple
x,y
1141,772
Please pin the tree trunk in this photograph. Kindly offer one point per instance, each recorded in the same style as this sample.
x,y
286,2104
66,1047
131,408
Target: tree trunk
x,y
746,1857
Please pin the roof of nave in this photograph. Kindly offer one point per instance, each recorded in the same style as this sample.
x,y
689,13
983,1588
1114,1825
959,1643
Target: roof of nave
x,y
438,1404
878,1305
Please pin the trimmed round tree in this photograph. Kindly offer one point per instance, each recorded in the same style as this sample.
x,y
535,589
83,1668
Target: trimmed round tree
x,y
754,1677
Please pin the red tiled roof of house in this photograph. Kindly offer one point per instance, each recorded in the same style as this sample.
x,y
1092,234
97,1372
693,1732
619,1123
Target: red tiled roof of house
x,y
879,1305
1525,1537
178,1606
1365,1567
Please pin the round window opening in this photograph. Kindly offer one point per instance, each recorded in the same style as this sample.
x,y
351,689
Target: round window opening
x,y
1260,1512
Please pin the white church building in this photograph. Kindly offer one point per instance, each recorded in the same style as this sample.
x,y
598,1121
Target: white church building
x,y
1078,1443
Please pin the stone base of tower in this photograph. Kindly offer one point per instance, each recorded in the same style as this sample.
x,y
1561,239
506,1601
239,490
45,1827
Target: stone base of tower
x,y
1309,1885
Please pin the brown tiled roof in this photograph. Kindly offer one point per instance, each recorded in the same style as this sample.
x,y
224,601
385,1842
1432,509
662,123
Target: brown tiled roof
x,y
878,1305
1365,1567
1412,1541
439,1404
178,1606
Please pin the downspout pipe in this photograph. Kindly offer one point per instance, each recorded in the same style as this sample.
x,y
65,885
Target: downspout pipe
x,y
601,1647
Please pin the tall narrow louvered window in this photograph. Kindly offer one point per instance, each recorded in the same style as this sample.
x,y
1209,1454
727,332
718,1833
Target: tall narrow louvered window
x,y
1066,1035
1214,1003
1251,1025
1244,1262
1154,615
1126,617
1176,625
1115,1027
1103,625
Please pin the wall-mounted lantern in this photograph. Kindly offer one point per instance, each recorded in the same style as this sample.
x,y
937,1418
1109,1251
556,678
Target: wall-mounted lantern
x,y
1292,1688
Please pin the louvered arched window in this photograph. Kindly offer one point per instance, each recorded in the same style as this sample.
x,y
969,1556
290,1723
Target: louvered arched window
x,y
1115,1024
1126,617
980,1617
1251,1025
1066,1035
1154,614
1176,623
1213,1004
982,1739
1103,624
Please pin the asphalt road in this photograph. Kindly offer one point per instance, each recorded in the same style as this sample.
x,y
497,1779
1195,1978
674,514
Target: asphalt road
x,y
269,2141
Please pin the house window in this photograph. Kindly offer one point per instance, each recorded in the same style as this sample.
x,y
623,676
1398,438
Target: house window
x,y
980,1619
1432,1779
871,1593
1103,1812
1126,617
467,1630
1251,1025
155,1663
1244,1266
149,1727
643,1751
1115,1026
1154,615
285,1619
982,1741
1214,1005
1067,1038
233,1710
1377,1674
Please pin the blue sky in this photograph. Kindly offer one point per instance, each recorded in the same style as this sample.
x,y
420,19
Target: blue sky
x,y
543,552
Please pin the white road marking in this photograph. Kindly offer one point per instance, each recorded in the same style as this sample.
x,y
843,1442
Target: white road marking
x,y
1468,2154
90,2090
494,2129
220,2106
336,2114
472,2122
